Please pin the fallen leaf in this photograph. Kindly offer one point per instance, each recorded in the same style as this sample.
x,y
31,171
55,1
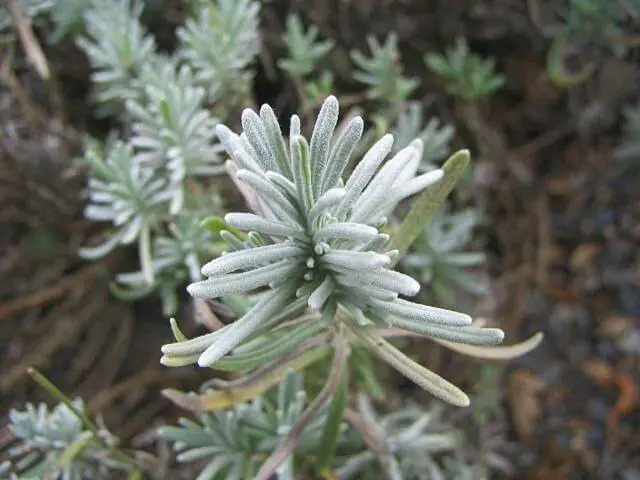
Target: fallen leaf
x,y
606,376
615,326
583,256
524,388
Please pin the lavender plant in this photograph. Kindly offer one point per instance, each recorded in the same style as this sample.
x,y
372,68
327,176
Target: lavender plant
x,y
220,43
117,46
436,138
304,52
309,273
32,9
629,149
129,196
381,72
170,136
172,129
406,441
55,444
303,48
234,443
439,257
468,75
176,258
319,247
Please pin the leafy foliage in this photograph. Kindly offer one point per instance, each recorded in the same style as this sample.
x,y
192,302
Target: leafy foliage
x,y
303,48
235,442
436,138
629,150
469,76
317,245
597,22
220,44
30,8
176,258
67,17
128,195
440,259
117,46
54,444
172,129
310,271
410,436
382,71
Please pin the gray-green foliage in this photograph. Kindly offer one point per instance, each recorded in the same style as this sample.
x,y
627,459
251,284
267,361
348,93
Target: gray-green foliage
x,y
118,46
440,258
67,17
411,439
381,72
304,50
169,132
54,444
317,244
172,130
436,137
126,194
220,45
469,76
233,444
176,257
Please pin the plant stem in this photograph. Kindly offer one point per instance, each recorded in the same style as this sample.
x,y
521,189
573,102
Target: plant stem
x,y
290,441
144,247
56,393
331,432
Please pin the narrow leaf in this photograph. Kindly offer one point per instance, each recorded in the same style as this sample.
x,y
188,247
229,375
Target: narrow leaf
x,y
500,352
423,377
428,203
225,398
331,431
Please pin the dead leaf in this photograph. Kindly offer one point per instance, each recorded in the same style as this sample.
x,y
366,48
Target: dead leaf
x,y
583,256
615,326
524,388
600,371
606,376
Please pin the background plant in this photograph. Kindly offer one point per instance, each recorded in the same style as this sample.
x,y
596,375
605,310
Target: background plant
x,y
304,52
440,259
54,443
169,104
468,76
63,442
587,30
235,442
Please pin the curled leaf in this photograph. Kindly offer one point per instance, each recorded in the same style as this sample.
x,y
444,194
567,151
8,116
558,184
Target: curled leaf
x,y
494,352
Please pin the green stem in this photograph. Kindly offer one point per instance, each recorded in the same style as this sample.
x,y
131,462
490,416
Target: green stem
x,y
331,432
428,203
56,393
144,248
291,440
